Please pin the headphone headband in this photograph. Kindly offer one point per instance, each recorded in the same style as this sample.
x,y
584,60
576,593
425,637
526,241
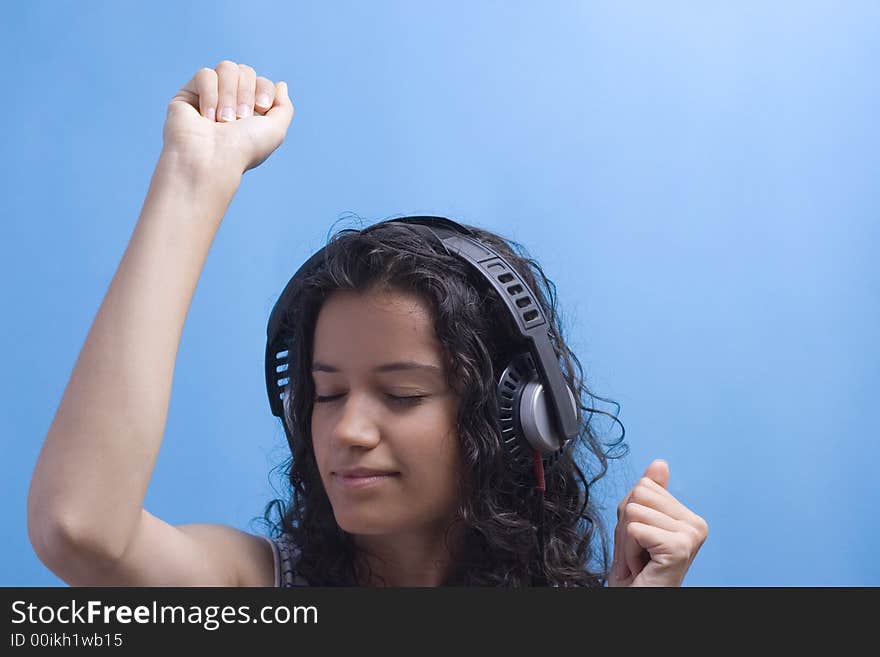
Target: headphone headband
x,y
518,298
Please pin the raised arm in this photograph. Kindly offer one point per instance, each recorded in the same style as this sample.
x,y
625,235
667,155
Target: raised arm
x,y
85,506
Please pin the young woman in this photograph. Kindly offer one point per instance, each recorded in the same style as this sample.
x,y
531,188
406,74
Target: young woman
x,y
399,475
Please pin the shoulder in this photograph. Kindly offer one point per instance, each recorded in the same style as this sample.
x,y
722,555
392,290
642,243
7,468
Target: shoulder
x,y
256,561
286,555
248,556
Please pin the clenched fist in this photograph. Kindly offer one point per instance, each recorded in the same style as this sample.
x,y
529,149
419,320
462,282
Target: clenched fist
x,y
227,120
657,537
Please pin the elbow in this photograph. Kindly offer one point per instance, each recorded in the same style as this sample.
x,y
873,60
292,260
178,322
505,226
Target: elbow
x,y
60,540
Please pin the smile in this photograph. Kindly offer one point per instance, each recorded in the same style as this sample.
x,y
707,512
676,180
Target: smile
x,y
361,481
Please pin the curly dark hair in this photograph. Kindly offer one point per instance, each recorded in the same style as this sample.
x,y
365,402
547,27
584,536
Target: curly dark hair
x,y
498,510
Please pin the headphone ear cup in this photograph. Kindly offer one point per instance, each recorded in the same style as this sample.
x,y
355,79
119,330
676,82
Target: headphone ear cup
x,y
526,422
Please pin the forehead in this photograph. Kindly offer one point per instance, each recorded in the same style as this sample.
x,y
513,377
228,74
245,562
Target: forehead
x,y
357,328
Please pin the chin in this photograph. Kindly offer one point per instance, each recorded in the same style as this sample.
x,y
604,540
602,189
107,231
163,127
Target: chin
x,y
365,524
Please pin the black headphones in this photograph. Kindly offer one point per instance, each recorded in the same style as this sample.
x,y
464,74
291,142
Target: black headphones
x,y
538,411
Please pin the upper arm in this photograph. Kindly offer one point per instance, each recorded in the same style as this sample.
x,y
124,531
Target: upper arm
x,y
161,554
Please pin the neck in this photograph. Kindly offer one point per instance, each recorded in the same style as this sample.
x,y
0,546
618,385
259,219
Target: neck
x,y
410,559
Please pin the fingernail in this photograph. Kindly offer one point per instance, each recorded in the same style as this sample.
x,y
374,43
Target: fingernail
x,y
211,113
226,114
243,111
263,100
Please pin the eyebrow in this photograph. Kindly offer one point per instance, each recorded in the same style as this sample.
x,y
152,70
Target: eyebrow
x,y
318,366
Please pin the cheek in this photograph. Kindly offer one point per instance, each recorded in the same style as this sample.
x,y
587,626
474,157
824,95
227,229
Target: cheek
x,y
319,445
436,463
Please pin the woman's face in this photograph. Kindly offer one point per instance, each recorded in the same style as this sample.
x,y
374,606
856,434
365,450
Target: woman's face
x,y
383,408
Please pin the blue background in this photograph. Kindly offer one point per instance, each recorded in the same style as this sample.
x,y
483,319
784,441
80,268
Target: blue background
x,y
699,181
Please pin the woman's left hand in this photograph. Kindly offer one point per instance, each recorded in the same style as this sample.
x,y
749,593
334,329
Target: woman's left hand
x,y
657,537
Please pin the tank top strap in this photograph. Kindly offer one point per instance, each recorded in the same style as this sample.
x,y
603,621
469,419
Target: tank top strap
x,y
287,555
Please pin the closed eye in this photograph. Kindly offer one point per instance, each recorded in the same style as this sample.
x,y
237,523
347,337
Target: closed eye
x,y
411,400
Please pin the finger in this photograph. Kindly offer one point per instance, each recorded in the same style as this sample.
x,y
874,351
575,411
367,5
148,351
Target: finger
x,y
621,508
658,472
618,551
227,89
619,568
206,83
647,493
265,95
282,111
627,555
197,93
633,555
618,561
648,537
636,512
247,82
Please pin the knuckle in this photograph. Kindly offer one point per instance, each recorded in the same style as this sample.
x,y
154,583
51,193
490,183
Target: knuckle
x,y
685,547
244,69
632,508
686,542
227,64
692,533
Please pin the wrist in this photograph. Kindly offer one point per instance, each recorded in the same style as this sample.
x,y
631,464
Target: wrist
x,y
199,174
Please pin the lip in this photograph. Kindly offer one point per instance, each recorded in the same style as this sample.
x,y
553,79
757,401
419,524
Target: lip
x,y
362,477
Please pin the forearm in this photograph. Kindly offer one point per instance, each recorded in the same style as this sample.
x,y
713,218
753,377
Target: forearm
x,y
96,461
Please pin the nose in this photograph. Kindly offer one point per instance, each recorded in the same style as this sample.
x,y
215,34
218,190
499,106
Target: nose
x,y
355,426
